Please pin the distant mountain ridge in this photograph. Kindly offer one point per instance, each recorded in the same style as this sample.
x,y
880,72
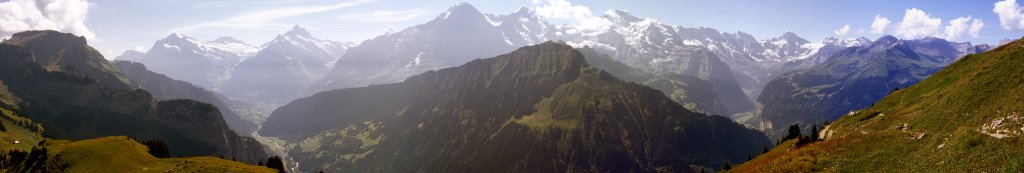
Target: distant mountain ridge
x,y
283,69
456,36
648,43
204,63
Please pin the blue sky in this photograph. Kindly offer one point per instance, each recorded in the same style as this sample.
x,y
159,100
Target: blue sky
x,y
114,25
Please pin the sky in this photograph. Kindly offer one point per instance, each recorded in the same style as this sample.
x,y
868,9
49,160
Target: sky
x,y
113,26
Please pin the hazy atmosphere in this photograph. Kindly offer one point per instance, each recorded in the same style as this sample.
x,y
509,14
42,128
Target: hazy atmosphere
x,y
511,86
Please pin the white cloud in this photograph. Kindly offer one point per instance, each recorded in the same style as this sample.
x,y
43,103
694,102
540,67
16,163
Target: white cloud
x,y
583,18
842,31
960,27
264,19
59,15
140,48
918,24
385,15
1011,15
880,25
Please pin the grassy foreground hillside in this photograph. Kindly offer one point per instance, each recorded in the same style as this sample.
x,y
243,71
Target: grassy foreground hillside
x,y
964,118
112,154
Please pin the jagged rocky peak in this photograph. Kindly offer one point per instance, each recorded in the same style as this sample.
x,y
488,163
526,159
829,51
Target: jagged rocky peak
x,y
175,37
524,10
859,41
462,12
788,39
792,36
884,42
175,40
298,31
525,15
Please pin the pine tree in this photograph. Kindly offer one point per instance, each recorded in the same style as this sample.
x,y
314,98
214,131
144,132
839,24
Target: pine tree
x,y
275,162
814,132
727,166
793,132
157,148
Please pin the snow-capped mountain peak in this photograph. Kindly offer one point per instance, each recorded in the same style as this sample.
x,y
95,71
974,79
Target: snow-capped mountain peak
x,y
299,40
524,10
792,37
204,63
226,40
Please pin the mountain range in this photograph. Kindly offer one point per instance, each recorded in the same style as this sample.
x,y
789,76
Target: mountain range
x,y
962,118
852,79
637,95
462,33
459,35
204,63
555,114
75,102
283,68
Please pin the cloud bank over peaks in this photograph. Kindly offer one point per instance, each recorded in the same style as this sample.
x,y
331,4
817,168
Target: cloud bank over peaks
x,y
918,24
1011,15
59,15
267,18
385,15
581,16
842,31
880,25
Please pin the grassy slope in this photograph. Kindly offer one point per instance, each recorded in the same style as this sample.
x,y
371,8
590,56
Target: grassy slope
x,y
122,154
949,109
14,132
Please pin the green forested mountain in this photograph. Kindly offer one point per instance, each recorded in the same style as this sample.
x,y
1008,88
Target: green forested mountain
x,y
963,118
692,92
540,108
72,104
